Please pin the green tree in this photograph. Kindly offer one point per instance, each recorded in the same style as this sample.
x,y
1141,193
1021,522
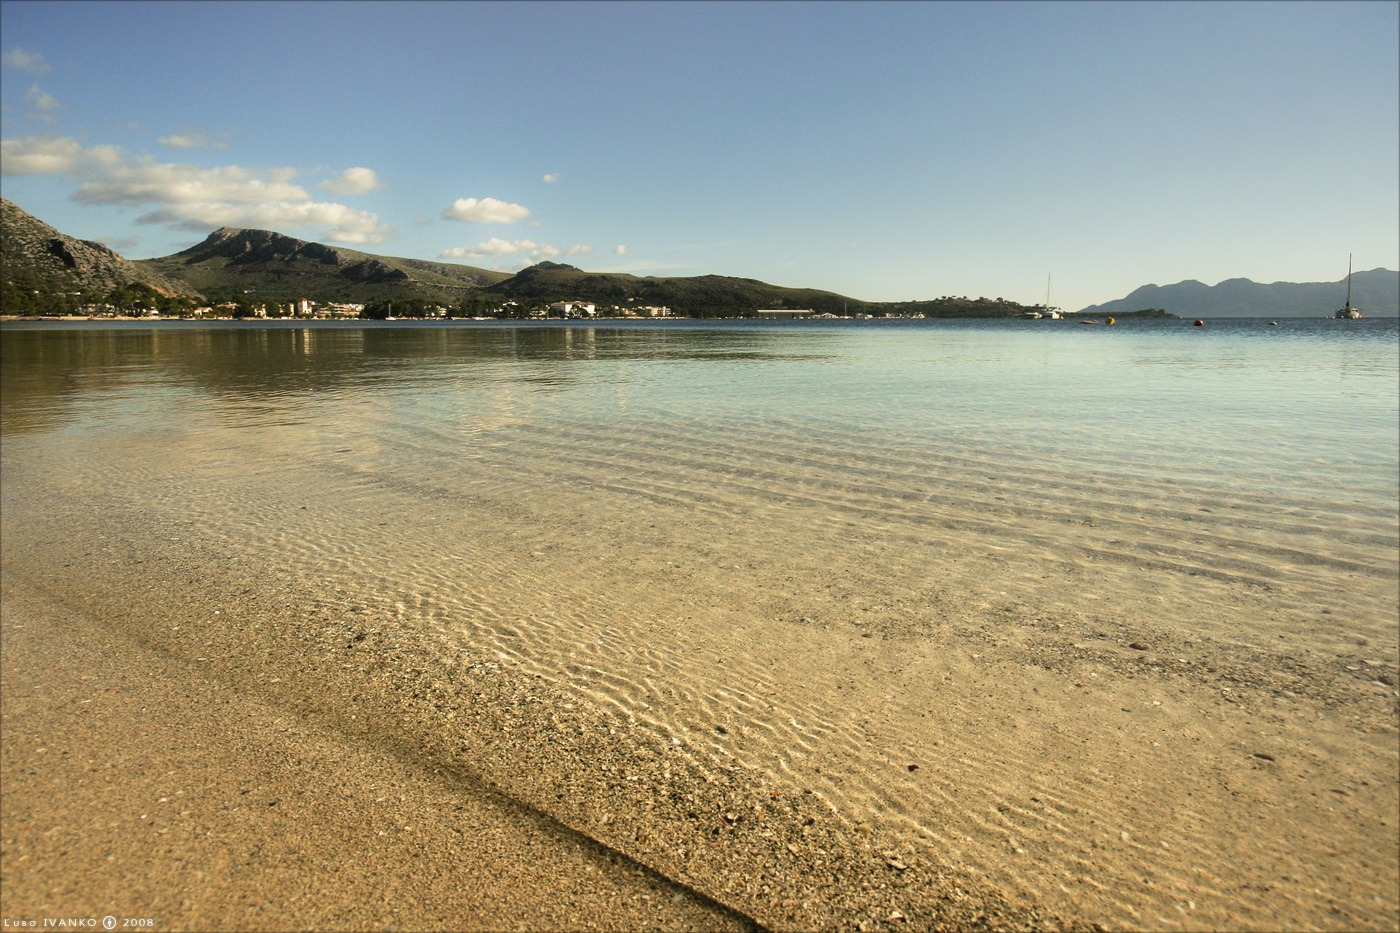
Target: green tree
x,y
472,306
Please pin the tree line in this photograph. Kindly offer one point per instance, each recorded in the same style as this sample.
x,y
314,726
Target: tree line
x,y
28,292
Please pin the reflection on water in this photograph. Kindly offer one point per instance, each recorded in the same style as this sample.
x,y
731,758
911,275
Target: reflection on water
x,y
853,547
1299,395
46,368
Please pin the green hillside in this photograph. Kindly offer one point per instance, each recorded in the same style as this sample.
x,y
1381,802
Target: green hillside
x,y
231,263
698,296
48,272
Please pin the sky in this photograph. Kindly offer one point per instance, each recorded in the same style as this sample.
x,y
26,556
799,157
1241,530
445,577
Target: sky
x,y
883,151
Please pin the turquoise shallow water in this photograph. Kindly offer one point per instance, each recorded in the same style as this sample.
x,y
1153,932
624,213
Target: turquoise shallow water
x,y
1307,402
854,546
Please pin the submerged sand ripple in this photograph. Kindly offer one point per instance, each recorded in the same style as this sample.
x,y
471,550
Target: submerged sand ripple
x,y
829,681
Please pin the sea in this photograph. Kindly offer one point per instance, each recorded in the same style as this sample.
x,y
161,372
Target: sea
x,y
934,572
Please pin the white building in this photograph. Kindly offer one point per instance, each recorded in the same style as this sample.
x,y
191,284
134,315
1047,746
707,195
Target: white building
x,y
573,308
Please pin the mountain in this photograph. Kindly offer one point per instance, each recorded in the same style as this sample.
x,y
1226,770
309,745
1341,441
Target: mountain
x,y
1376,293
231,262
234,264
43,269
36,255
703,295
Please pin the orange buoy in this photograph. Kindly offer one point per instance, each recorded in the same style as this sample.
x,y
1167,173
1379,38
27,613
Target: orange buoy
x,y
1198,323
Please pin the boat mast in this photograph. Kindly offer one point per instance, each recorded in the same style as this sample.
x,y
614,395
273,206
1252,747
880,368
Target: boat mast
x,y
1348,281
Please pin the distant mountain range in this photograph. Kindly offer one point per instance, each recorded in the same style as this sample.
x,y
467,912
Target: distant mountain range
x,y
233,264
1376,293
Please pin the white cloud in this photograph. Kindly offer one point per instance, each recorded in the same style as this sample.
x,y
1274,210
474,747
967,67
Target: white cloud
x,y
29,62
352,181
190,196
497,248
169,183
55,155
545,251
345,224
619,250
551,178
491,249
485,211
192,137
43,104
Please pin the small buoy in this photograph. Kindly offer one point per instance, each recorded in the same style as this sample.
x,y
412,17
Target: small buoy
x,y
1198,323
1110,321
1273,323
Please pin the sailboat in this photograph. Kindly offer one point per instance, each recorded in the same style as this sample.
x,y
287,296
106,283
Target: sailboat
x,y
1047,311
1347,312
1052,313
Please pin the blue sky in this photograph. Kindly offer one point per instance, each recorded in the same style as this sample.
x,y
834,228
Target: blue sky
x,y
885,151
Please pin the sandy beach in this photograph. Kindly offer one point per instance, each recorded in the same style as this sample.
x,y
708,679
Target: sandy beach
x,y
140,788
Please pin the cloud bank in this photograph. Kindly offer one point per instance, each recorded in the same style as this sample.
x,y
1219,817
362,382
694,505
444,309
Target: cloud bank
x,y
191,197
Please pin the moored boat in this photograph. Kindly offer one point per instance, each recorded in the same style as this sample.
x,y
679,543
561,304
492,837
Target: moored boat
x,y
1347,312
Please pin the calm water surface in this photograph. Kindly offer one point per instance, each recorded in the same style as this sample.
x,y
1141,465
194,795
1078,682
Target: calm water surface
x,y
853,545
1305,403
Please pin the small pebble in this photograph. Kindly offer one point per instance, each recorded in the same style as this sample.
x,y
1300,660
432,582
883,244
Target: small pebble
x,y
1138,646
